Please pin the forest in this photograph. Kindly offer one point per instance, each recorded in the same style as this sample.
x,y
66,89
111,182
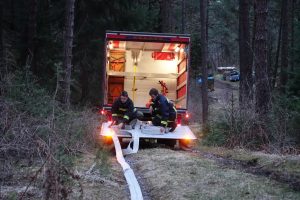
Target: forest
x,y
51,84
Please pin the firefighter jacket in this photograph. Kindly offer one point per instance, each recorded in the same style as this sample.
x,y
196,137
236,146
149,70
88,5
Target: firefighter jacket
x,y
163,109
122,110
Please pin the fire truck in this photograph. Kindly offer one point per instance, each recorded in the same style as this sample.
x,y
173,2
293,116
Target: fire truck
x,y
136,62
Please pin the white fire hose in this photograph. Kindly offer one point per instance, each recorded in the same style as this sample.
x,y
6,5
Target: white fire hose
x,y
134,187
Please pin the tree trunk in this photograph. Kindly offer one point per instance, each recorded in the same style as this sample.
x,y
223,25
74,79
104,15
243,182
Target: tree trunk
x,y
293,35
31,35
204,49
260,58
65,74
253,31
1,43
171,17
4,47
84,82
284,46
207,14
274,77
270,61
246,82
165,15
183,6
12,25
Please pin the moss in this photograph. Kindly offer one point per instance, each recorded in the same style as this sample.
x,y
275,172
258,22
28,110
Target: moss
x,y
102,162
12,196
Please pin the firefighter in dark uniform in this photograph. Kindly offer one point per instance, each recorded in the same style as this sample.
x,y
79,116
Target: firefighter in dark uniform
x,y
123,111
163,111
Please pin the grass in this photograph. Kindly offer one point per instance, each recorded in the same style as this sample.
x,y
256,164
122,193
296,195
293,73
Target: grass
x,y
98,183
102,162
273,162
181,175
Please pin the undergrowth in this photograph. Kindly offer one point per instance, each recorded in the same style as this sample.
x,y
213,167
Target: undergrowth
x,y
35,130
276,132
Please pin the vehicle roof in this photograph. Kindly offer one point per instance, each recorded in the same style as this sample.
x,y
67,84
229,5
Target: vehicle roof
x,y
148,33
148,37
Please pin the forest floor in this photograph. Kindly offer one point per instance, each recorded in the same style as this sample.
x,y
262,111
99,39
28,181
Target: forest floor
x,y
210,174
167,173
97,180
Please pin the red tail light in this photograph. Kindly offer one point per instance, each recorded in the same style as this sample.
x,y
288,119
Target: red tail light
x,y
102,112
187,115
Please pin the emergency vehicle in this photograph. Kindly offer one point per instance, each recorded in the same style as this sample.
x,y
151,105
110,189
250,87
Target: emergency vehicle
x,y
138,61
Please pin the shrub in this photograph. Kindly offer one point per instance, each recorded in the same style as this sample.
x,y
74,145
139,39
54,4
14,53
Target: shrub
x,y
33,126
277,132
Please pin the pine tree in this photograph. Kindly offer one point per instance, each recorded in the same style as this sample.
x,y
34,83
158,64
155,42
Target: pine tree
x,y
246,82
262,89
284,46
204,49
63,92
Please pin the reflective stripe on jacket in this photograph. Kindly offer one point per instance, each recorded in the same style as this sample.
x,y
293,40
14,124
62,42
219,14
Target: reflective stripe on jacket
x,y
124,110
163,109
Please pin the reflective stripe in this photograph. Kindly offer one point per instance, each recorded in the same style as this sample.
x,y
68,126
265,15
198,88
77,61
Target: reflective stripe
x,y
159,116
117,115
175,109
126,117
123,109
134,109
164,122
170,121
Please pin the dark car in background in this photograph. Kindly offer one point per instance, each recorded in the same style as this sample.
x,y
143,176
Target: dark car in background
x,y
234,76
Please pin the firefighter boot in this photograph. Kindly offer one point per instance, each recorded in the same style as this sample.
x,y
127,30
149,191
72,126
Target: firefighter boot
x,y
173,126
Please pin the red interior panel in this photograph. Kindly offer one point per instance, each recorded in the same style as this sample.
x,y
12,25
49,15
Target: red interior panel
x,y
181,92
182,65
115,87
163,56
181,78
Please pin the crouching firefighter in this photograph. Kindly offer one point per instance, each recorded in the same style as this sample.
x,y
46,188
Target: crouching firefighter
x,y
123,112
163,111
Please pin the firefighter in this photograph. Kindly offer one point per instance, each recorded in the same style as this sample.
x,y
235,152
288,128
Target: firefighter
x,y
163,111
123,111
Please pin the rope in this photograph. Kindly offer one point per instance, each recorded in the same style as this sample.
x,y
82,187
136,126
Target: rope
x,y
133,85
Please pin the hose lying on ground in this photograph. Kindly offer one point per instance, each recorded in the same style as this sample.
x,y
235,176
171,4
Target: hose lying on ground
x,y
134,187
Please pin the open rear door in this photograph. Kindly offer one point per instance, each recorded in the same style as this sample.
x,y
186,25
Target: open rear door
x,y
181,89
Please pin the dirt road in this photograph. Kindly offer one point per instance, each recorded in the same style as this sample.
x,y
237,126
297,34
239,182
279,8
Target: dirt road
x,y
223,94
